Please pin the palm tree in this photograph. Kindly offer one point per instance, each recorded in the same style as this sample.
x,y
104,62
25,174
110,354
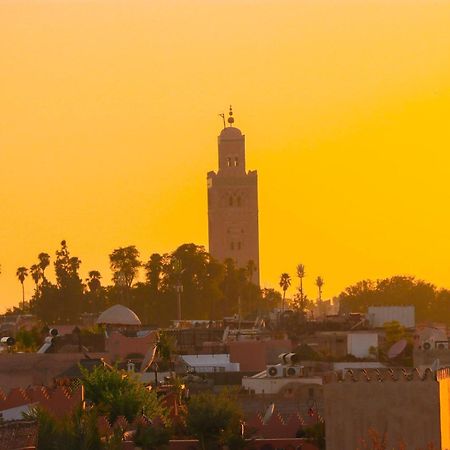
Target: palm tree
x,y
301,274
319,284
285,282
36,274
94,280
22,273
44,261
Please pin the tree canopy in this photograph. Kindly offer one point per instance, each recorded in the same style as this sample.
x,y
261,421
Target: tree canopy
x,y
115,394
215,420
430,302
211,289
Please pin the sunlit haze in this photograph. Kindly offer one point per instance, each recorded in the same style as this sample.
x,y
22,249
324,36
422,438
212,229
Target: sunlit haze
x,y
109,123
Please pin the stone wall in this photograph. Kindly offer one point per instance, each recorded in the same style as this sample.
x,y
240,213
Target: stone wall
x,y
399,404
28,369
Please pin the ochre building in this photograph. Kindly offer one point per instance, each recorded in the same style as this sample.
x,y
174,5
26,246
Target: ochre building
x,y
233,204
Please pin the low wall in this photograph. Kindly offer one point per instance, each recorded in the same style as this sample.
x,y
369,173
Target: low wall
x,y
256,444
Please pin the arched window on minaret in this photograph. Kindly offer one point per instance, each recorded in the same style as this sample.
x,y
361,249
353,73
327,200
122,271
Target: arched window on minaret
x,y
229,162
239,245
236,161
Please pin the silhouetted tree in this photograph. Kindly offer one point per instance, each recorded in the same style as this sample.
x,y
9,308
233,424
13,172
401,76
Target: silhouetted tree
x,y
301,274
154,271
285,282
210,289
319,284
96,295
115,394
397,290
125,263
215,420
301,303
22,273
68,281
44,262
93,281
270,299
36,274
230,287
192,266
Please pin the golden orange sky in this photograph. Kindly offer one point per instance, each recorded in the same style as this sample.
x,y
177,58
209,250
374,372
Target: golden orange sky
x,y
109,123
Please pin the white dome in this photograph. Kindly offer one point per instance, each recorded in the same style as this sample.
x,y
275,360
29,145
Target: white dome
x,y
118,315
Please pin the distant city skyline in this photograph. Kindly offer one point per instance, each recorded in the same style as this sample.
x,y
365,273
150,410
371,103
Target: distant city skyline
x,y
109,118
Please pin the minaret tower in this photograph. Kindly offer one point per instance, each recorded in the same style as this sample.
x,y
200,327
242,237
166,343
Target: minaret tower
x,y
233,203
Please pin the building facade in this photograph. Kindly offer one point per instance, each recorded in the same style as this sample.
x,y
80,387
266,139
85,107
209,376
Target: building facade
x,y
402,407
233,203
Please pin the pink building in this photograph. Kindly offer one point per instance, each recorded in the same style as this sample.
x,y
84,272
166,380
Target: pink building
x,y
255,355
119,346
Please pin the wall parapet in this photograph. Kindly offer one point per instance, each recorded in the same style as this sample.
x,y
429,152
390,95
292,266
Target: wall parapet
x,y
381,375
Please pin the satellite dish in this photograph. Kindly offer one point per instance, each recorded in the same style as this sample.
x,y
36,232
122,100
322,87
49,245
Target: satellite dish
x,y
397,348
8,341
269,413
435,366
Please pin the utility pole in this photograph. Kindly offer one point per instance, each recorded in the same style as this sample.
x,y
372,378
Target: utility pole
x,y
179,290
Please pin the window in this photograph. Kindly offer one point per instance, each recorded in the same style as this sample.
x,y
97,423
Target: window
x,y
230,200
238,245
229,162
236,162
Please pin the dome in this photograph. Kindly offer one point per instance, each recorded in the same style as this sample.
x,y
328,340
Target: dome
x,y
118,315
230,133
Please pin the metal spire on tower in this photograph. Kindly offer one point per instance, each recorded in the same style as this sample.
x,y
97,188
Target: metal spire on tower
x,y
231,118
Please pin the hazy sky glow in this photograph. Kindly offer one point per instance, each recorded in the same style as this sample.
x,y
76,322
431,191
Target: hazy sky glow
x,y
109,123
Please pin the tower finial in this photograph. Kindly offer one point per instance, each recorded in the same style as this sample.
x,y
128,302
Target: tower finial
x,y
230,118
